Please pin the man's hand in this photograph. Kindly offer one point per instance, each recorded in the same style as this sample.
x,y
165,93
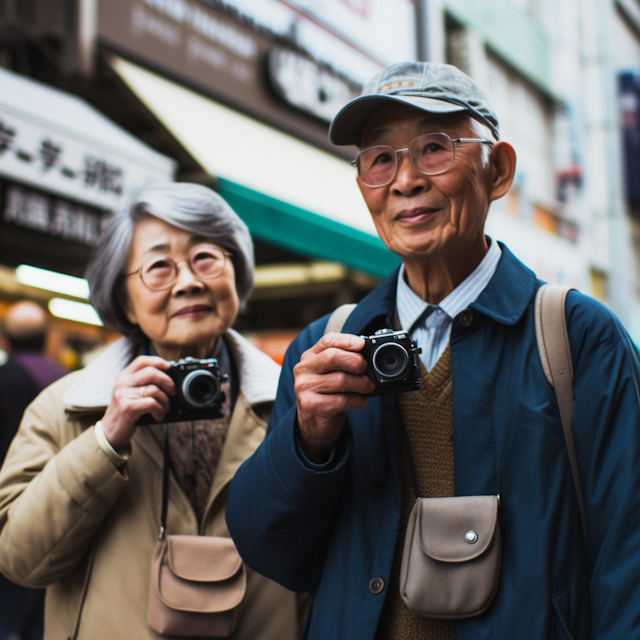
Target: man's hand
x,y
329,380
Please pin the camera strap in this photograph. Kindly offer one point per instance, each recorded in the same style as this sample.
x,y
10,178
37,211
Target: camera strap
x,y
165,485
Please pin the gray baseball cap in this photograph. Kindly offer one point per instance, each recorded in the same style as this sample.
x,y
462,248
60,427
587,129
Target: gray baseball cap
x,y
436,88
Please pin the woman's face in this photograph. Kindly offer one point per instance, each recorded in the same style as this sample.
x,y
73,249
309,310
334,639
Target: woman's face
x,y
185,319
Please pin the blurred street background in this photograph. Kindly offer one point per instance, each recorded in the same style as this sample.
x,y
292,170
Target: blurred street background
x,y
100,96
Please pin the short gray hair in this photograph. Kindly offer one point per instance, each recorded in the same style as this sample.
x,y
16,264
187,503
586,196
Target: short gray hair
x,y
482,131
190,207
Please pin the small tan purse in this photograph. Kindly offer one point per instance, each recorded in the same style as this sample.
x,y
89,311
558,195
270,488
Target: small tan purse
x,y
196,583
451,558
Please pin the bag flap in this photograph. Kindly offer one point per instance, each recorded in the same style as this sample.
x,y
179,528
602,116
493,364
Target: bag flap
x,y
457,529
202,558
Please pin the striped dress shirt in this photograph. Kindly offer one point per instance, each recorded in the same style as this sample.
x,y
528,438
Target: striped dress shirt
x,y
430,325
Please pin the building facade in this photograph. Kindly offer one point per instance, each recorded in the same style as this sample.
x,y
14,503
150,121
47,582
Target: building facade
x,y
238,95
563,77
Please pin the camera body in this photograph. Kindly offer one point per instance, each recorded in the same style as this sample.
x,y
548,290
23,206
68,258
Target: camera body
x,y
392,361
198,394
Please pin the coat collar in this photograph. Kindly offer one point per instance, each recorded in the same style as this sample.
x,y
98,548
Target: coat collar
x,y
509,292
94,387
504,299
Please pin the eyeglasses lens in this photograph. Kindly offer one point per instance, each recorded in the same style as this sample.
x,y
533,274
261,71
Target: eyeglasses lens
x,y
161,272
207,263
158,273
431,153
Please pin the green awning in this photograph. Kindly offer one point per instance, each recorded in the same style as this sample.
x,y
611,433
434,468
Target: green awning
x,y
288,227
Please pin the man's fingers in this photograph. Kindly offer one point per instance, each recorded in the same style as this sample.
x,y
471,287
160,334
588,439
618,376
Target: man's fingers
x,y
332,359
345,341
336,382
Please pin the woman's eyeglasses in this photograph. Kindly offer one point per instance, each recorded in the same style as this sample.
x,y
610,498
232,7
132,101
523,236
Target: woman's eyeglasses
x,y
161,272
432,153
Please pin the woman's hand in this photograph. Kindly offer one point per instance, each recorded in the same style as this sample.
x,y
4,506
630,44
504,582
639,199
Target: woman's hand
x,y
140,388
329,380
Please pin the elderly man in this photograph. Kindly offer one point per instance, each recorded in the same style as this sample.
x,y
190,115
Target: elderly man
x,y
323,504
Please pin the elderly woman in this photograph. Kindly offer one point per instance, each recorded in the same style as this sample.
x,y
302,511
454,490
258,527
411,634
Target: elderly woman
x,y
81,488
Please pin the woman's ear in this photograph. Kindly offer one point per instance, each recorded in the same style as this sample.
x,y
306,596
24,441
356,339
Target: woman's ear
x,y
125,305
503,167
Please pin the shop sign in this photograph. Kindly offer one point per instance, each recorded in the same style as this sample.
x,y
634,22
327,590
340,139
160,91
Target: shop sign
x,y
35,210
306,85
54,161
225,58
188,39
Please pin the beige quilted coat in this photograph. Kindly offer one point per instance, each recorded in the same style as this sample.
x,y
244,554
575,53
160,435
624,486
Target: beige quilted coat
x,y
61,498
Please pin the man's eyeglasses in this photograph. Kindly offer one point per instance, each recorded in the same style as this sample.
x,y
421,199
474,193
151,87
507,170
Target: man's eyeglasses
x,y
161,272
432,153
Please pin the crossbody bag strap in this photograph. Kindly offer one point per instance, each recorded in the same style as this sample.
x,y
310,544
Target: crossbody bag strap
x,y
85,588
555,355
165,486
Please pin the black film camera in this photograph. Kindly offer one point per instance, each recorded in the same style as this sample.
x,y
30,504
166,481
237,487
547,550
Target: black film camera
x,y
198,395
392,361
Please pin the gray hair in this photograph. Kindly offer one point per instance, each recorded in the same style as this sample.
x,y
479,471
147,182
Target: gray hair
x,y
482,131
190,207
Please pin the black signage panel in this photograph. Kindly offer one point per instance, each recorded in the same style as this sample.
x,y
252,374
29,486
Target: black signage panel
x,y
46,231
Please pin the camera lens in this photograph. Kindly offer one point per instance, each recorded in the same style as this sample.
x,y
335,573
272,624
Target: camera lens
x,y
200,388
390,360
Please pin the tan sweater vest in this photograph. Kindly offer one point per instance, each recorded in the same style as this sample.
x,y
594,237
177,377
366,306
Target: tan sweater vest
x,y
428,417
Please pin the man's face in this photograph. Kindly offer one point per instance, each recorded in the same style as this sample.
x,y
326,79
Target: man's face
x,y
422,217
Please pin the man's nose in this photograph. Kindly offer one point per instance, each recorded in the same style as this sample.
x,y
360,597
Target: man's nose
x,y
408,176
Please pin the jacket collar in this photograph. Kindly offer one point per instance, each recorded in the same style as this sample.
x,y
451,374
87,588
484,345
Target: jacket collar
x,y
504,299
94,387
509,292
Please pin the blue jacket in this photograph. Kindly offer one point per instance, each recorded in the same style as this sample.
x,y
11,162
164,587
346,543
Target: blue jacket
x,y
332,532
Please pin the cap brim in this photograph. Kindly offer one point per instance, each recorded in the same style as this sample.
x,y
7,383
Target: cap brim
x,y
349,123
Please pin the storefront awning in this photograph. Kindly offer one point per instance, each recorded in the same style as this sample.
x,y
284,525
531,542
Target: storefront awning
x,y
59,144
289,193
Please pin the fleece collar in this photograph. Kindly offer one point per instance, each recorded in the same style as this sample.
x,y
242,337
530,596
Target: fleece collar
x,y
257,372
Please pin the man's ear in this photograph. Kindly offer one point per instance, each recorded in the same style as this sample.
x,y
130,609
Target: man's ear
x,y
503,167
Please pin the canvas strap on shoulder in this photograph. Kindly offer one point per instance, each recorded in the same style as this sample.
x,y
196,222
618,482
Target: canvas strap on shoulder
x,y
339,317
555,356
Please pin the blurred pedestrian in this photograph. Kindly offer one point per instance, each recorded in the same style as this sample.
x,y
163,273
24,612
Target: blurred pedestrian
x,y
27,371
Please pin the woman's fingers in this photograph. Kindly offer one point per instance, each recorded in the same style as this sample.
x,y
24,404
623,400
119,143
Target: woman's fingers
x,y
140,388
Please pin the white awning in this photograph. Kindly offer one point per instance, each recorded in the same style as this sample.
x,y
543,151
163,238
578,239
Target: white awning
x,y
237,148
57,142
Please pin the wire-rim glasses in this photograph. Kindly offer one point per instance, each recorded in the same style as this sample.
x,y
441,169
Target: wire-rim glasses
x,y
431,154
161,272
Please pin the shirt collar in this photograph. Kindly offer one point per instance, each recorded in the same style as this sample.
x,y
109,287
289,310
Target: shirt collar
x,y
412,307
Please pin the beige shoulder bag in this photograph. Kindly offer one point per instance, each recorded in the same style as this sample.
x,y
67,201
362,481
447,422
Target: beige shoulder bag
x,y
196,583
